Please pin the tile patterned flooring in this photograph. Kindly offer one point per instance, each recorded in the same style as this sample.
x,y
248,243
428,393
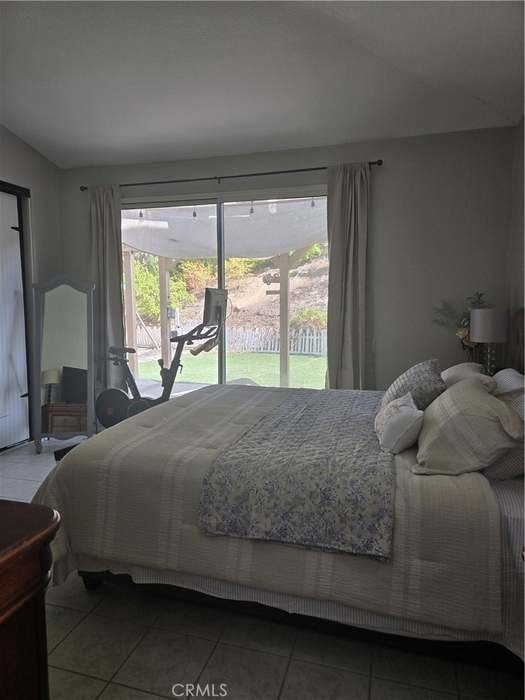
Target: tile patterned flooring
x,y
129,643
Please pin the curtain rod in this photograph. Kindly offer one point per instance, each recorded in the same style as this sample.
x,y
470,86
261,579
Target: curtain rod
x,y
218,178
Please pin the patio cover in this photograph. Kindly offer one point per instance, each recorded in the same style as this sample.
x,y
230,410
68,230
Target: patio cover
x,y
274,227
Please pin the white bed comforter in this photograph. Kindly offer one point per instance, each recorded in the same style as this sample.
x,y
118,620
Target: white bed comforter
x,y
130,496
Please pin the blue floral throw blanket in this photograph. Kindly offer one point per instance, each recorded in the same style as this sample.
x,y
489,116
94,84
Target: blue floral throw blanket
x,y
310,472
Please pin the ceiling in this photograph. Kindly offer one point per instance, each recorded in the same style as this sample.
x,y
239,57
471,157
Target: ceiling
x,y
117,82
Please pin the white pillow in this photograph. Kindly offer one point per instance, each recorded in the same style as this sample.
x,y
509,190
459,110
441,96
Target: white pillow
x,y
397,424
508,380
467,370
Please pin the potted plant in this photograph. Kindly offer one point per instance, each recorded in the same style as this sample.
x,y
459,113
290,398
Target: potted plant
x,y
447,316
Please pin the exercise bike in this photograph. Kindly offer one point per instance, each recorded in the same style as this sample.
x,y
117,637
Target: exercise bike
x,y
115,405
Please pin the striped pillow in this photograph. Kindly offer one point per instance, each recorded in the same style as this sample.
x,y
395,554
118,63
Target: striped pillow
x,y
466,429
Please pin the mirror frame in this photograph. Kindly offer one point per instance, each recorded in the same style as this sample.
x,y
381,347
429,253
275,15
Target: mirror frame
x,y
39,293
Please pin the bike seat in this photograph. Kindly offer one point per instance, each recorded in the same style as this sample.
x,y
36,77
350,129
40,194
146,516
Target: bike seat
x,y
116,350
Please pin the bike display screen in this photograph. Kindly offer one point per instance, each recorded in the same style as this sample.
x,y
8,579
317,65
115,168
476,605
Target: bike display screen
x,y
215,301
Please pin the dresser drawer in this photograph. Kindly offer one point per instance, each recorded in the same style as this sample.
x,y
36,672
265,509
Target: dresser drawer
x,y
66,424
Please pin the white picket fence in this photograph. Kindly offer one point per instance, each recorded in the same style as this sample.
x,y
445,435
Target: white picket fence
x,y
303,341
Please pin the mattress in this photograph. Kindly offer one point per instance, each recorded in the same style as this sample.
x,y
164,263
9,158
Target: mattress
x,y
129,500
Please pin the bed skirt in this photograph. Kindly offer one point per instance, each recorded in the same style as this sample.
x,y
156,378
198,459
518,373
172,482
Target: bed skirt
x,y
511,638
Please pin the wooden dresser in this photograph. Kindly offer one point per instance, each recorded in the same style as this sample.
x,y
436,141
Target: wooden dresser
x,y
25,560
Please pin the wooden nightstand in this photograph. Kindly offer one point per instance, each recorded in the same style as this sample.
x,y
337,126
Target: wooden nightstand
x,y
63,418
25,560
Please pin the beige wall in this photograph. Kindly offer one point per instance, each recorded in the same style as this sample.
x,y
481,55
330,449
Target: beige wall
x,y
515,247
440,217
22,165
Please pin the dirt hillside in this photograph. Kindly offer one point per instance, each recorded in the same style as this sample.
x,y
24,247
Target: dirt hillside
x,y
251,307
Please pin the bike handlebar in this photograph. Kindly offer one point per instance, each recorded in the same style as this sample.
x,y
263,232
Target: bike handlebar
x,y
200,332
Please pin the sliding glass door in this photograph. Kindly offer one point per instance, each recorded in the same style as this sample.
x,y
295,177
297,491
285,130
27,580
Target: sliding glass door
x,y
276,269
271,255
169,258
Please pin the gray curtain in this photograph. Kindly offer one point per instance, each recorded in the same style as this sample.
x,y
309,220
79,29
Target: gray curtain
x,y
348,194
108,314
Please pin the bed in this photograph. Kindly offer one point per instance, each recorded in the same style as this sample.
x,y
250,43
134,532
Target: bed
x,y
130,500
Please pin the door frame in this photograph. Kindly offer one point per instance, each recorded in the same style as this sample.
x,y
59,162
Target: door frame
x,y
23,195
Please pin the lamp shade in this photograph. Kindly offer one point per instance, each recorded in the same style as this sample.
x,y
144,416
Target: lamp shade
x,y
51,376
488,326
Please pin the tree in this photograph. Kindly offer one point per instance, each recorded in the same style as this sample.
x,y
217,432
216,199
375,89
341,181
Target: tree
x,y
147,288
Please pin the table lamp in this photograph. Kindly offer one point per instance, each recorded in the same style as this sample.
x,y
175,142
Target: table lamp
x,y
50,377
488,326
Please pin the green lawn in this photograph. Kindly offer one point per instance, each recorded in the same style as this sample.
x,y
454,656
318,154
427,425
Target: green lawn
x,y
260,367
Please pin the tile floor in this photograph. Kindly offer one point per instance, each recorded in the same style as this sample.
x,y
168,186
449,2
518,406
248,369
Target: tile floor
x,y
127,643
